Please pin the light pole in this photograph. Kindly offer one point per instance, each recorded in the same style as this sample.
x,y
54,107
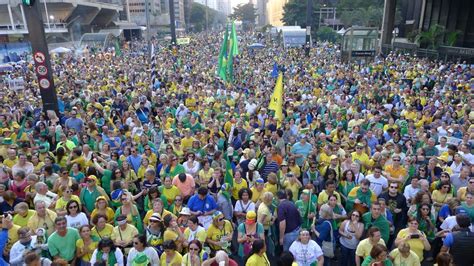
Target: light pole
x,y
309,9
47,15
172,22
395,33
147,17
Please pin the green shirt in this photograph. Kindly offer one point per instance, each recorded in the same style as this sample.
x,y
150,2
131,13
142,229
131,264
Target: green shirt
x,y
106,178
64,247
381,223
305,208
368,261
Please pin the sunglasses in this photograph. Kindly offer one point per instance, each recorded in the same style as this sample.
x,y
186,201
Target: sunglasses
x,y
64,173
221,219
393,187
73,207
147,149
396,160
425,209
355,215
177,199
123,199
422,170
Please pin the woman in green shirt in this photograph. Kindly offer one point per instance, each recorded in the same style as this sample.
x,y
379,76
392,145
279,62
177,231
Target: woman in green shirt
x,y
378,256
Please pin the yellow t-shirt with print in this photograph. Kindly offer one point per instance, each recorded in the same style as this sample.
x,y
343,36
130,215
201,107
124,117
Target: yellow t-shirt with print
x,y
200,235
215,234
171,193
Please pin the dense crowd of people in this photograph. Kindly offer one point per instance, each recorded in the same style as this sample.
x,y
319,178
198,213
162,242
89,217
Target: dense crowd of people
x,y
372,163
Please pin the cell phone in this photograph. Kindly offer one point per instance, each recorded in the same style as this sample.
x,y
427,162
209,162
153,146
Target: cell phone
x,y
415,236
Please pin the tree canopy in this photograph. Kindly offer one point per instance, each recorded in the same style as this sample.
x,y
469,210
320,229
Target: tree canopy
x,y
245,13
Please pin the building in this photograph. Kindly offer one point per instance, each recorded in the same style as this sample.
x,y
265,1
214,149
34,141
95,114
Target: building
x,y
420,15
158,11
63,20
274,12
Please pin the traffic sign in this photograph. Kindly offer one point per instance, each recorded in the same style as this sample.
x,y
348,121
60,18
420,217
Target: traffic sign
x,y
39,57
42,70
44,83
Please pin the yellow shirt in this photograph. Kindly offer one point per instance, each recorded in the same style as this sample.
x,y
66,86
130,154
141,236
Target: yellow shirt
x,y
12,236
92,246
416,245
323,197
257,260
364,247
106,232
215,234
61,202
294,187
126,235
23,221
171,193
270,188
176,261
256,195
200,235
187,143
170,235
36,222
109,213
205,177
10,163
399,260
363,158
396,173
438,197
237,187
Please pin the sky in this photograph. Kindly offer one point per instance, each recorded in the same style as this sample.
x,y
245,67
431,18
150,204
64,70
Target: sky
x,y
234,3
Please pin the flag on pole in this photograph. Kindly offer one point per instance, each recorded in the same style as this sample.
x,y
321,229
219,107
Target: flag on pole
x,y
221,67
229,49
118,52
229,175
276,101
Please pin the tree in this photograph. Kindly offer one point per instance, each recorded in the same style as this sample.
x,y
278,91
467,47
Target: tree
x,y
432,38
294,12
198,16
327,34
245,13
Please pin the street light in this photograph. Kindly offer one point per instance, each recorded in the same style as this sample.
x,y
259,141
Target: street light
x,y
51,17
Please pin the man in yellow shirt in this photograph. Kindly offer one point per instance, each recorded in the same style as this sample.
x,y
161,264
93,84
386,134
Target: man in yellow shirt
x,y
361,156
395,172
323,197
187,141
365,246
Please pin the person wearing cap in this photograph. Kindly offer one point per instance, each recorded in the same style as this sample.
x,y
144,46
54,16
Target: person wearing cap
x,y
257,190
292,183
101,207
306,208
248,232
219,233
90,193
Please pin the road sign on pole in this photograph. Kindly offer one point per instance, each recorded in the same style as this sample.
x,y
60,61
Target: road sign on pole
x,y
37,38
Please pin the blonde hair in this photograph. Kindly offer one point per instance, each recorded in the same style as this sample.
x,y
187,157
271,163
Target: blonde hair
x,y
267,197
326,212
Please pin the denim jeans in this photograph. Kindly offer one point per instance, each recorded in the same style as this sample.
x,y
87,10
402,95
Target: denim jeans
x,y
289,238
347,256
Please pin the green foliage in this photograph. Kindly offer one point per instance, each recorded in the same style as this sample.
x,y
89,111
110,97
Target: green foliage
x,y
368,17
432,38
452,37
198,17
245,13
294,12
327,34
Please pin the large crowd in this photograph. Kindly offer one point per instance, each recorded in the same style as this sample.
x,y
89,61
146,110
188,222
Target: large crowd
x,y
372,163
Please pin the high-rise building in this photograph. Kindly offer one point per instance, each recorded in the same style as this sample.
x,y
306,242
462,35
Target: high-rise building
x,y
158,12
270,12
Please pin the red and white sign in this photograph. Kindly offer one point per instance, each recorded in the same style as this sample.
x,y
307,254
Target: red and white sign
x,y
44,83
39,57
42,70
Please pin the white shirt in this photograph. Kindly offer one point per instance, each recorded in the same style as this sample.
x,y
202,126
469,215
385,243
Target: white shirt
x,y
306,254
148,251
410,193
442,149
18,249
377,185
240,206
48,198
28,168
449,223
77,221
468,157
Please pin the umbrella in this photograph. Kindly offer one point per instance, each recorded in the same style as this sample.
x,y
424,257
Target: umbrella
x,y
60,50
256,45
6,68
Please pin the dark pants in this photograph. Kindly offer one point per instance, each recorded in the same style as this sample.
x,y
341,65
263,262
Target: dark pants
x,y
347,256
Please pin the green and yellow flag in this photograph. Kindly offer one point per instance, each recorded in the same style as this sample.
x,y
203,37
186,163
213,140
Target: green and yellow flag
x,y
229,174
276,101
229,49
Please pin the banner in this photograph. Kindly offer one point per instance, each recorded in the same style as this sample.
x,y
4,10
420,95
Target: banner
x,y
182,41
16,84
